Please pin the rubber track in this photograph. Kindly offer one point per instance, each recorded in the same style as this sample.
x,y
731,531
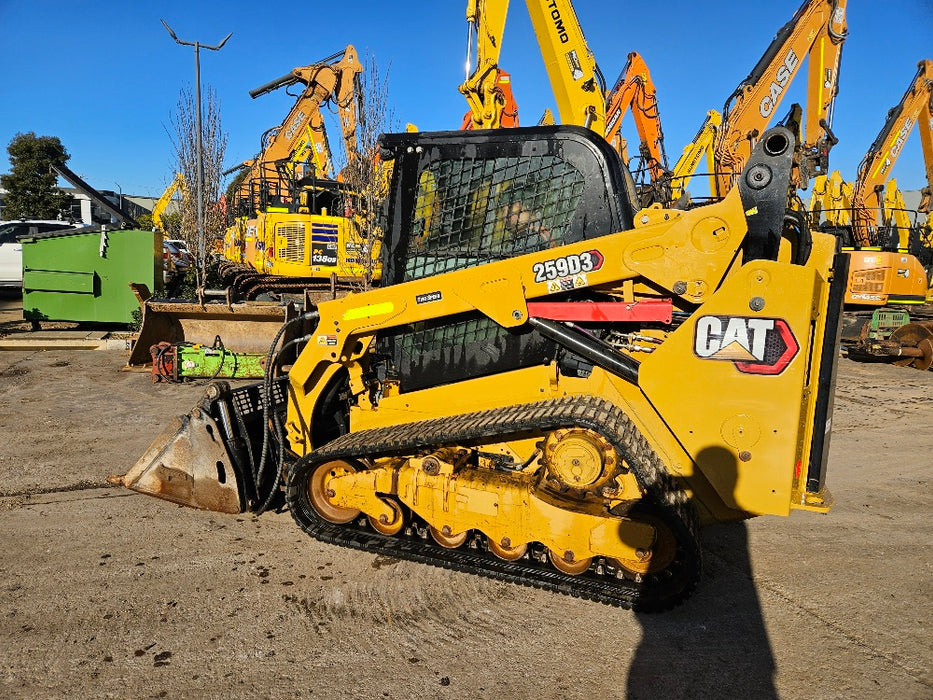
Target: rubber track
x,y
656,592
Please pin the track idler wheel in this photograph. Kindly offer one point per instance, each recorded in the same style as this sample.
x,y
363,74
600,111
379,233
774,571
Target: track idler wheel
x,y
318,494
662,553
446,539
916,343
504,550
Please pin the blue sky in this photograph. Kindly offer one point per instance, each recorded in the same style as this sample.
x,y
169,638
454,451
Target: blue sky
x,y
105,76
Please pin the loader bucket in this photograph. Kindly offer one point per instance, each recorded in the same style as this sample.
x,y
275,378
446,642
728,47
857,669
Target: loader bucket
x,y
242,327
188,464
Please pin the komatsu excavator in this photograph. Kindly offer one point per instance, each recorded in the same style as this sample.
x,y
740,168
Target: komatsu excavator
x,y
294,227
889,293
549,387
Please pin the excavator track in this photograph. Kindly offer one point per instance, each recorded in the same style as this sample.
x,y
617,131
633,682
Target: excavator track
x,y
247,284
664,500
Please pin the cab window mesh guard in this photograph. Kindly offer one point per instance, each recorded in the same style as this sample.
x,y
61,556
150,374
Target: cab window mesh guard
x,y
473,211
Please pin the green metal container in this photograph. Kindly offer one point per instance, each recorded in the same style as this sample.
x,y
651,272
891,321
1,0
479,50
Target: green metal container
x,y
84,275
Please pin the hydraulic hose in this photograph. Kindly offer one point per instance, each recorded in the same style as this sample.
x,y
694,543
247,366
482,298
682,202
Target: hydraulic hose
x,y
266,403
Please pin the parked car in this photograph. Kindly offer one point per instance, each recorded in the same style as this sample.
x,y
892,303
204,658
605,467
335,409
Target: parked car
x,y
184,258
168,264
11,250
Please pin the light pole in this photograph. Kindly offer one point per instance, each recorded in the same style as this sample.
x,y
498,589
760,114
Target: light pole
x,y
200,153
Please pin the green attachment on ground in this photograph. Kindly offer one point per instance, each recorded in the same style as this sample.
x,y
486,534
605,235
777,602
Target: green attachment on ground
x,y
885,321
201,361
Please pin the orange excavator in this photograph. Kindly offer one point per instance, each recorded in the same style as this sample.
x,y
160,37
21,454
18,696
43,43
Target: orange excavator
x,y
635,91
816,32
889,294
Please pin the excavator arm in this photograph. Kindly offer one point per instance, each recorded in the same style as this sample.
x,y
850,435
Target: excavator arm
x,y
816,32
875,168
634,90
488,89
702,145
302,138
158,211
578,84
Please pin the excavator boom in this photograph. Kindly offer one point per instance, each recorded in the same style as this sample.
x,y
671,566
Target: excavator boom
x,y
635,91
915,108
816,33
578,85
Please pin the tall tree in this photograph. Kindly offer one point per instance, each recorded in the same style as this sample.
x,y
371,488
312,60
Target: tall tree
x,y
368,176
32,189
213,146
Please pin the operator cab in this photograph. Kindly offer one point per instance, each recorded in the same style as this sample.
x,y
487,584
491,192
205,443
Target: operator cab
x,y
461,199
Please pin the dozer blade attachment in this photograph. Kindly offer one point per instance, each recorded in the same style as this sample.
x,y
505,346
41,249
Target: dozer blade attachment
x,y
242,327
188,464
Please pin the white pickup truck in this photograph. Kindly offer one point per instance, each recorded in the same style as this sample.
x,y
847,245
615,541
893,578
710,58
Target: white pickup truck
x,y
11,250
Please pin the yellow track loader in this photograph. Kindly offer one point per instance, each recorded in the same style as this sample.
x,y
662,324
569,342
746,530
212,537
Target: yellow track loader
x,y
549,388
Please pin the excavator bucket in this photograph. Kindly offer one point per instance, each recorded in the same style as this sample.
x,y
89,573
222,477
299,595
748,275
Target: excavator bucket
x,y
246,327
188,464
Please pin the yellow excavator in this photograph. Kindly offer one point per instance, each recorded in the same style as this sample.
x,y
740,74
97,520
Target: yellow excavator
x,y
294,228
158,211
889,294
578,85
518,399
701,148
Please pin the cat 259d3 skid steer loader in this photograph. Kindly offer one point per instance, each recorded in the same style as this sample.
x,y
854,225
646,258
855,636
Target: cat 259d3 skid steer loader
x,y
549,387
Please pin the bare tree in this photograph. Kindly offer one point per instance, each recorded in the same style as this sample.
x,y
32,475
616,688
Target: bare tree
x,y
366,175
214,147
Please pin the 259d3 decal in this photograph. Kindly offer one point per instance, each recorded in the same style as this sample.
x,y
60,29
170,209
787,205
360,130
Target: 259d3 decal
x,y
567,266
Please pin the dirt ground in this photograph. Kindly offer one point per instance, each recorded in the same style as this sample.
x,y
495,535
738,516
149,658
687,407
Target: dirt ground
x,y
107,593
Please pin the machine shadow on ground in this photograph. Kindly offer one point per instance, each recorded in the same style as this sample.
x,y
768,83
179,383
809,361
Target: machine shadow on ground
x,y
716,643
